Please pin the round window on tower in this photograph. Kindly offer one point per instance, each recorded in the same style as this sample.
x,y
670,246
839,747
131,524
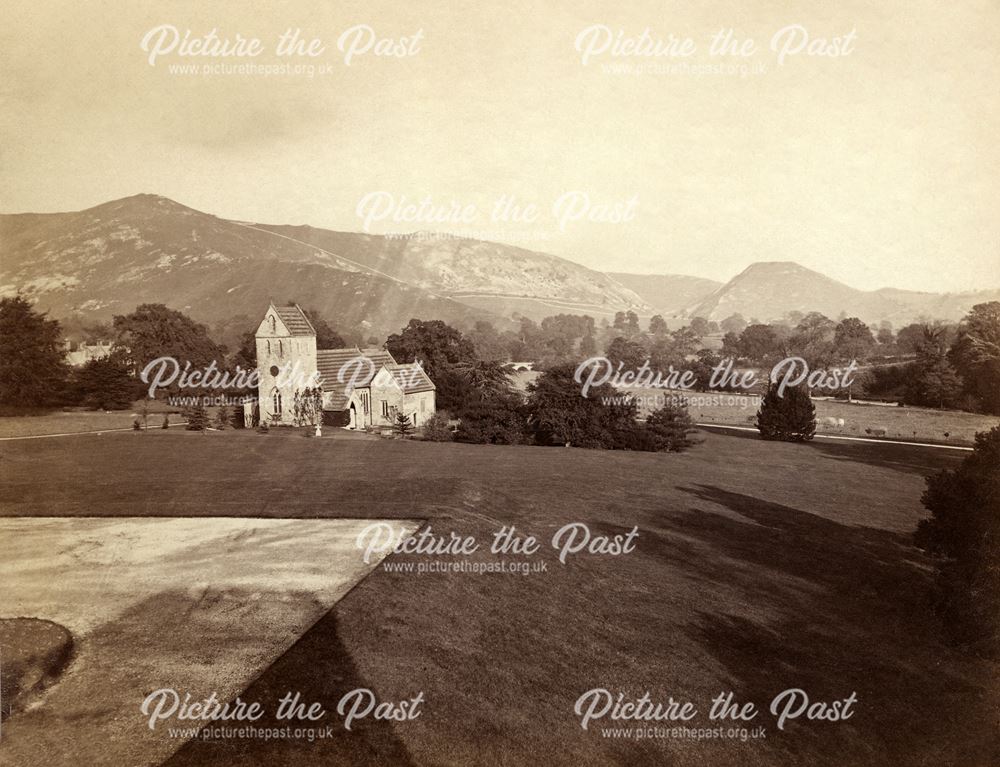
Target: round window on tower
x,y
274,370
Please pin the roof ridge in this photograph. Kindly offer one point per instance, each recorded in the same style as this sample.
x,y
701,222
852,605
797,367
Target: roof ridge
x,y
306,318
294,319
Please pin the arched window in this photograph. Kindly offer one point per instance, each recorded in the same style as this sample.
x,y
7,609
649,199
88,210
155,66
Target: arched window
x,y
273,324
281,349
268,347
276,401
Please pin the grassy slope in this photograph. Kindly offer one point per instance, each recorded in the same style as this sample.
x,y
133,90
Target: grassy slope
x,y
759,567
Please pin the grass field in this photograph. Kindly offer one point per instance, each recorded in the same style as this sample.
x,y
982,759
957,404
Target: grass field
x,y
758,567
951,427
80,420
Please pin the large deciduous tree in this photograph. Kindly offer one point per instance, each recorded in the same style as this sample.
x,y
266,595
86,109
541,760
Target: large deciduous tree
x,y
154,331
487,376
487,342
700,326
658,325
852,340
626,323
813,339
734,323
976,354
758,344
629,354
437,345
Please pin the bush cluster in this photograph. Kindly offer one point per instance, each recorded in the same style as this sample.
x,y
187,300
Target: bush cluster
x,y
963,534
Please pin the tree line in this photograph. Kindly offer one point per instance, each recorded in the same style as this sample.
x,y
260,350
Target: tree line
x,y
480,396
930,364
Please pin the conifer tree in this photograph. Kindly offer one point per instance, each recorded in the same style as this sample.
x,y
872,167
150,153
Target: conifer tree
x,y
33,371
197,417
402,425
790,416
669,428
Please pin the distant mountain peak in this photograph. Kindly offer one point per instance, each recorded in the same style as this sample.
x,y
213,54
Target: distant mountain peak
x,y
778,267
144,203
148,248
770,290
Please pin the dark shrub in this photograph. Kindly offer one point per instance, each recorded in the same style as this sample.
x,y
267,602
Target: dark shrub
x,y
790,417
105,384
963,532
496,419
436,428
560,415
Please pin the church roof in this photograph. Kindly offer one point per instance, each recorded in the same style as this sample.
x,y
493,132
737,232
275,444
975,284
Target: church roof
x,y
411,378
295,320
330,362
379,356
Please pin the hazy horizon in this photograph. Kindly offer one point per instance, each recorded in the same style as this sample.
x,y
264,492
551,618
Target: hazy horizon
x,y
879,168
722,281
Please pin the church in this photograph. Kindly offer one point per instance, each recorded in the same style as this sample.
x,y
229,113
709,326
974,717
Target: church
x,y
361,387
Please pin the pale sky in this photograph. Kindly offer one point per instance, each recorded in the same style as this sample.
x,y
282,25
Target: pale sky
x,y
880,167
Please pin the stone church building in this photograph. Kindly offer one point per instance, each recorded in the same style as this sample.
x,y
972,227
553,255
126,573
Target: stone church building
x,y
361,387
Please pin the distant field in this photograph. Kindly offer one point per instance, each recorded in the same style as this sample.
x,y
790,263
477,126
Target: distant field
x,y
758,567
951,427
72,421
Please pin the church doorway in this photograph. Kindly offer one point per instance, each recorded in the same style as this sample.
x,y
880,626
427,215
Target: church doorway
x,y
353,415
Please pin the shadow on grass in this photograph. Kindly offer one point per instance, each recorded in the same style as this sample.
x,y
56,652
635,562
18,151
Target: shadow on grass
x,y
914,460
884,455
320,668
854,617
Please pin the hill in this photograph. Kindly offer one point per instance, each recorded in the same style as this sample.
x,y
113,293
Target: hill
x,y
498,278
92,264
768,290
89,265
105,260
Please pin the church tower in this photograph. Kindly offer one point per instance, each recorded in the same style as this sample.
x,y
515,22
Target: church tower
x,y
286,361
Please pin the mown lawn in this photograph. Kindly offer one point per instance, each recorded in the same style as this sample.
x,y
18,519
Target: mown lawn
x,y
758,567
79,420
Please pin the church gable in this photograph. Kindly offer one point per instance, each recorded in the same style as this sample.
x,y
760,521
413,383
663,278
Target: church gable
x,y
385,380
411,378
285,321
